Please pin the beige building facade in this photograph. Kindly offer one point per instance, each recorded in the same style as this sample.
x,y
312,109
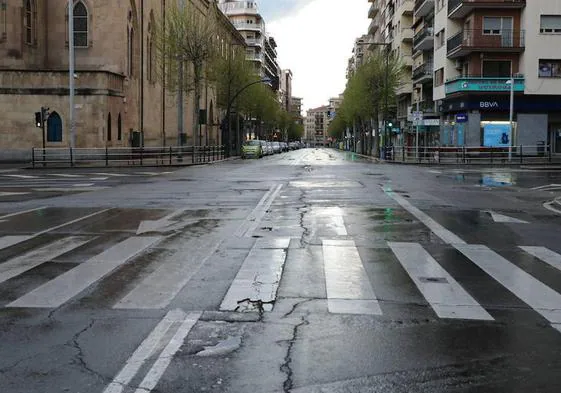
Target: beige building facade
x,y
118,98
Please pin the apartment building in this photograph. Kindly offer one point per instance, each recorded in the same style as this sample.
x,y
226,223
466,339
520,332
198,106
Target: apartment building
x,y
119,101
359,55
296,104
261,48
479,46
317,123
285,90
392,27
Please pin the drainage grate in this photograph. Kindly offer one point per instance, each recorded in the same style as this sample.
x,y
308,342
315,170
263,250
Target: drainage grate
x,y
434,280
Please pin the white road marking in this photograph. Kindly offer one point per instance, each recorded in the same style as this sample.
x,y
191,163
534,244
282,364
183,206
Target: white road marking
x,y
158,289
539,296
501,218
143,352
98,178
5,194
259,277
21,212
8,241
335,216
348,288
68,189
554,206
252,221
82,185
435,172
63,288
16,266
445,295
162,363
22,176
69,223
443,233
544,254
557,326
64,175
111,174
547,187
149,173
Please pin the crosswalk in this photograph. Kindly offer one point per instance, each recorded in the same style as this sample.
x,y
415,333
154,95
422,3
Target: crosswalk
x,y
349,285
78,175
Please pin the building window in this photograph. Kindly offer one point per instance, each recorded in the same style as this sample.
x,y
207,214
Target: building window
x,y
440,39
109,127
496,25
80,18
439,77
54,128
119,128
130,52
30,22
550,68
550,24
497,68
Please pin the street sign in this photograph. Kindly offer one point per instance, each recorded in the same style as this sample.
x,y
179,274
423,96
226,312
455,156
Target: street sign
x,y
417,118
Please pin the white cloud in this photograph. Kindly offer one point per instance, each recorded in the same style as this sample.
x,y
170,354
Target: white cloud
x,y
315,42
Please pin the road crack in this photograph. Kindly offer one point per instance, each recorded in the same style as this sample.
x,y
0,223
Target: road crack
x,y
79,357
286,367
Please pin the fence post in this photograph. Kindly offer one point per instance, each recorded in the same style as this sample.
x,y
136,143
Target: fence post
x,y
193,155
33,157
438,154
464,154
170,155
71,158
550,152
521,155
141,153
106,156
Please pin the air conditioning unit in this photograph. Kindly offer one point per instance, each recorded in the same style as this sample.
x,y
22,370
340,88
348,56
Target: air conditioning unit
x,y
459,64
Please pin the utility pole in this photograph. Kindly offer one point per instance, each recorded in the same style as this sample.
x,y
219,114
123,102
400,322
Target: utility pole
x,y
510,117
71,72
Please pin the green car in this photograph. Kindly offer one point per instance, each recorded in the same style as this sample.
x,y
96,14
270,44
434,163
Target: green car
x,y
252,149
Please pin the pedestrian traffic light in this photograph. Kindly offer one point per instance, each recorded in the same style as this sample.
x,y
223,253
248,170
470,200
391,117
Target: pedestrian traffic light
x,y
38,119
45,113
390,124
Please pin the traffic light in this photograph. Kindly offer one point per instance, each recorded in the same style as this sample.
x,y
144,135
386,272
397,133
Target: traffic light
x,y
390,124
45,112
38,119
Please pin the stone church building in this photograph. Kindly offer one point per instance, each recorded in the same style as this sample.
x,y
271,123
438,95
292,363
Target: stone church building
x,y
118,99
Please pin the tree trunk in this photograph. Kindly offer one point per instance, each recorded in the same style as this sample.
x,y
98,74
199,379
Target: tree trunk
x,y
198,70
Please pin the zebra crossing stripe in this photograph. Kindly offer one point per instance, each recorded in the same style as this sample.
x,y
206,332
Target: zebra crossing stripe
x,y
348,287
445,295
16,266
544,254
537,295
9,241
143,352
63,288
259,277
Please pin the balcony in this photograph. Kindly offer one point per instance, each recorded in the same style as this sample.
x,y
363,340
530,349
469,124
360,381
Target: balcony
x,y
249,26
374,9
406,35
374,26
469,41
254,42
423,8
406,8
463,84
458,9
424,39
423,73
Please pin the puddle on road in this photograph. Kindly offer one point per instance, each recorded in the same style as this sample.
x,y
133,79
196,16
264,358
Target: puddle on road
x,y
487,179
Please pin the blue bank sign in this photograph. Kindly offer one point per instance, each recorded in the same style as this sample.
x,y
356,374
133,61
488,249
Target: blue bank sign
x,y
461,118
496,135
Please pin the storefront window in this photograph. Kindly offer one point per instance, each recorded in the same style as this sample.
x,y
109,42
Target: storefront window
x,y
550,68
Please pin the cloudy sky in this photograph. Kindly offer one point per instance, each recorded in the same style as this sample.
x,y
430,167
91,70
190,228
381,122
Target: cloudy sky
x,y
315,39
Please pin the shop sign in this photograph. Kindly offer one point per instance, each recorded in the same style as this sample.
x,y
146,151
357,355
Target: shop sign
x,y
461,118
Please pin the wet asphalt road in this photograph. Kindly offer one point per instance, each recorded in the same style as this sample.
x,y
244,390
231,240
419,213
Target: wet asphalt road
x,y
311,271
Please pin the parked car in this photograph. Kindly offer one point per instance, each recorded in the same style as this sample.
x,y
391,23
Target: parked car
x,y
276,147
269,147
252,149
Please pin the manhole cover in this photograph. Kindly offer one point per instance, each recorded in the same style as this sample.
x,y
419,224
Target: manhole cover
x,y
434,280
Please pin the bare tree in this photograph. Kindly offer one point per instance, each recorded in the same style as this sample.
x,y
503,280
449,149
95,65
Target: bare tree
x,y
185,42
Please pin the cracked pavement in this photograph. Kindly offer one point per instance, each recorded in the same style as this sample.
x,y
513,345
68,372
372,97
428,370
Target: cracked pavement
x,y
320,332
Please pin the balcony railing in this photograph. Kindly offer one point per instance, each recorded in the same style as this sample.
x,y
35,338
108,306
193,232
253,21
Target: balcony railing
x,y
425,37
424,71
423,7
461,8
471,40
483,84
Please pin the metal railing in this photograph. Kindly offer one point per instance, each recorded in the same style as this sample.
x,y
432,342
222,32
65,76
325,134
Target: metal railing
x,y
482,39
522,154
126,156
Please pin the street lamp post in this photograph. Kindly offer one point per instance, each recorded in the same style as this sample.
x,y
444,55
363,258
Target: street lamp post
x,y
71,72
229,109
